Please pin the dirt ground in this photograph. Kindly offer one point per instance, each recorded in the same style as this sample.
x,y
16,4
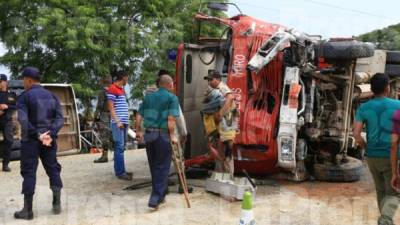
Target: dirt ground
x,y
92,195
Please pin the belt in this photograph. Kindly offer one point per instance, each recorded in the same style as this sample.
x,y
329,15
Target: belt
x,y
156,130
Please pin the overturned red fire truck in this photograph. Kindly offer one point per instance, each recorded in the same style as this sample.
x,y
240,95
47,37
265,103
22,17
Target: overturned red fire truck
x,y
295,94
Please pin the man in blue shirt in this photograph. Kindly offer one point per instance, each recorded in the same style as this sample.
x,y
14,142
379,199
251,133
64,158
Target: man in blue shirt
x,y
118,108
41,118
377,115
159,111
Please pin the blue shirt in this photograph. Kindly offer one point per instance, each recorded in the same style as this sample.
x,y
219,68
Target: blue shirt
x,y
39,111
377,114
156,108
117,96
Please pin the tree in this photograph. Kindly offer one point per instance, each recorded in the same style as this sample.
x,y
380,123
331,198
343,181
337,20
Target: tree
x,y
387,38
76,41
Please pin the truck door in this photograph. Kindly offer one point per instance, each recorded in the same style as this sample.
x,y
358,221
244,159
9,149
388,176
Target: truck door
x,y
195,62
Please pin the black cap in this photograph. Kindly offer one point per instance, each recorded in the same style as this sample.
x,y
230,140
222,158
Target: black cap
x,y
213,74
31,72
3,77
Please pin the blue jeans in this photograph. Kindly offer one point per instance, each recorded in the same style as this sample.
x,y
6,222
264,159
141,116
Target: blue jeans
x,y
119,137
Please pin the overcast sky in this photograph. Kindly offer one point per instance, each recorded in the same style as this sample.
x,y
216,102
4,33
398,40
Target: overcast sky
x,y
340,18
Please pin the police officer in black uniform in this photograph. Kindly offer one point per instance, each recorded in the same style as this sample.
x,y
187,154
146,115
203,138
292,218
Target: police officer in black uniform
x,y
7,108
41,117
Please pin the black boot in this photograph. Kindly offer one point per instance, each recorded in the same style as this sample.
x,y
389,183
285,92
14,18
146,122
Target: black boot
x,y
103,158
26,213
56,200
6,168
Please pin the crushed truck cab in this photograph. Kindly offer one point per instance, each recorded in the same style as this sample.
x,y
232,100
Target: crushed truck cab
x,y
294,93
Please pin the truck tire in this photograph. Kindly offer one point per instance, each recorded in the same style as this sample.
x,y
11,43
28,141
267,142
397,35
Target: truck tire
x,y
392,70
393,57
343,50
344,172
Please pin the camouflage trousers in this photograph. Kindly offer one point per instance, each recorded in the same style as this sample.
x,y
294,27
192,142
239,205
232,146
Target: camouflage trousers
x,y
105,135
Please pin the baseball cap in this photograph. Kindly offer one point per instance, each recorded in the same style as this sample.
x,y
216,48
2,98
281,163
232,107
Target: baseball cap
x,y
3,77
31,72
213,74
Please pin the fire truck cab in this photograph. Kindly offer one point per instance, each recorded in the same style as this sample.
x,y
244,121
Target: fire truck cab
x,y
294,93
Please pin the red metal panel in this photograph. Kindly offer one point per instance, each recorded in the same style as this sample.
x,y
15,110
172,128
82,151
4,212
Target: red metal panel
x,y
257,125
177,78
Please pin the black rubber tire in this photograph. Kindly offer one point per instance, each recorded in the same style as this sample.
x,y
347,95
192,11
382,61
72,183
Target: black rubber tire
x,y
393,57
392,70
344,172
343,50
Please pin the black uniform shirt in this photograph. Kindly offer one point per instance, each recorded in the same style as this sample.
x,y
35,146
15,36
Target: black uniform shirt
x,y
10,99
39,111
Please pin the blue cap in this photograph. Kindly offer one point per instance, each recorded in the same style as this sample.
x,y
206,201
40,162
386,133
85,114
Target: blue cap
x,y
3,77
31,72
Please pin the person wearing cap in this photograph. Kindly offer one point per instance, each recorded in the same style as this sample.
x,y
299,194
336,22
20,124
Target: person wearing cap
x,y
118,108
224,120
41,118
377,115
8,102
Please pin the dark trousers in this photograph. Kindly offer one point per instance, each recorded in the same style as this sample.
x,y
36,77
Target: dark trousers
x,y
7,128
158,150
31,151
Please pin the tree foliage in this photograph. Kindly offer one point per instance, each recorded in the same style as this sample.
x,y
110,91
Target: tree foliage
x,y
387,38
78,41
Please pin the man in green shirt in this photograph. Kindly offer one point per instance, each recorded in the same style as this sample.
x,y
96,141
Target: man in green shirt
x,y
377,115
159,111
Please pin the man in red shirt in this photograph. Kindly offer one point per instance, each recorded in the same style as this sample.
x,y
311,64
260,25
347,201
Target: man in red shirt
x,y
118,108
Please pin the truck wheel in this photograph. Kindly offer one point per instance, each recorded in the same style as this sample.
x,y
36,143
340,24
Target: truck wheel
x,y
392,70
393,57
346,50
343,172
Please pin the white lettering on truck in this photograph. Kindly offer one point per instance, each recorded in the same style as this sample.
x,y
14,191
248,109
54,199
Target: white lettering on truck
x,y
238,66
